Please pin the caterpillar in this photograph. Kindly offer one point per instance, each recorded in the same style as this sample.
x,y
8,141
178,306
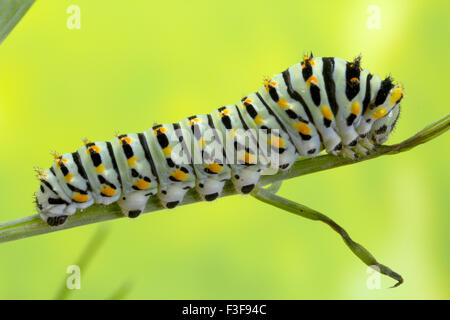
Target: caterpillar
x,y
317,104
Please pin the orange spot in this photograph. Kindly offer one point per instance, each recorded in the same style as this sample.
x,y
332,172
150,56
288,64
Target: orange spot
x,y
108,191
179,175
354,80
126,139
379,113
167,151
142,184
273,83
266,83
258,120
282,103
248,100
68,177
277,142
131,162
159,130
397,93
93,148
100,168
355,108
303,128
194,121
326,112
312,79
249,158
78,197
214,167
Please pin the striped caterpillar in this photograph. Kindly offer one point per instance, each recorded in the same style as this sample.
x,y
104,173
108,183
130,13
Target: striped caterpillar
x,y
318,104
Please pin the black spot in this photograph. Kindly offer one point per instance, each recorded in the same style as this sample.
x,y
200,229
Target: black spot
x,y
101,179
311,151
353,143
164,192
236,177
247,189
284,166
56,221
63,169
134,213
62,219
306,69
172,204
305,137
211,197
201,185
362,136
127,149
251,110
368,120
291,113
184,170
366,99
350,119
42,188
56,201
326,122
315,94
226,122
170,162
352,74
162,140
381,130
51,221
330,86
338,147
96,158
134,173
386,86
273,94
124,198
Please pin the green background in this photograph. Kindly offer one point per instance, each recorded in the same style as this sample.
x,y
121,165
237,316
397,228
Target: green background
x,y
135,63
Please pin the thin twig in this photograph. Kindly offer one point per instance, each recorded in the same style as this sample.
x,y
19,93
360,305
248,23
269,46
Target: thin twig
x,y
308,213
33,225
11,11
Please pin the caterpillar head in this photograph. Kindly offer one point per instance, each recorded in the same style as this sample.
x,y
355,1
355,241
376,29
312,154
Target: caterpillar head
x,y
387,98
382,128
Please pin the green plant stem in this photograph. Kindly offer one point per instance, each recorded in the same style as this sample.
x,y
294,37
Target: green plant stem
x,y
308,213
33,225
11,11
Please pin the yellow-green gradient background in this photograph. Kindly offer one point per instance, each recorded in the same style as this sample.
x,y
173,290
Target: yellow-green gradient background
x,y
135,63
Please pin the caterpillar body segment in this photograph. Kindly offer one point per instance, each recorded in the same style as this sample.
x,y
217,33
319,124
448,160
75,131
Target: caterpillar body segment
x,y
139,179
318,104
207,154
173,163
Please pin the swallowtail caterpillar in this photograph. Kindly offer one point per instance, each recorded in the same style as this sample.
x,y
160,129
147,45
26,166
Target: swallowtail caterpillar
x,y
318,104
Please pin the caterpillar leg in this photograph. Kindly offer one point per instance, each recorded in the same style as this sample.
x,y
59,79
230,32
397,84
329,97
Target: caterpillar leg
x,y
133,204
210,189
53,221
245,180
172,195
